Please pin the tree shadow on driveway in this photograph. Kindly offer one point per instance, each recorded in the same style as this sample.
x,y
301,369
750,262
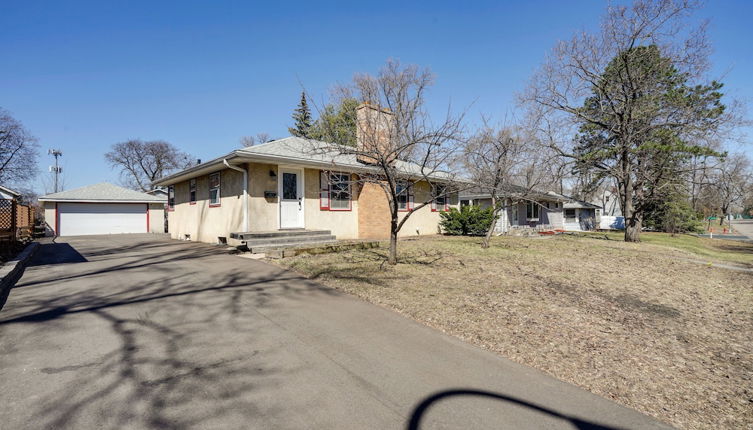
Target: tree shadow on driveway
x,y
171,338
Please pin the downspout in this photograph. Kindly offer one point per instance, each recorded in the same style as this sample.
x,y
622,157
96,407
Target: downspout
x,y
245,192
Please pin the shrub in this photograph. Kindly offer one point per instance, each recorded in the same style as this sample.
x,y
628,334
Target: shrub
x,y
468,221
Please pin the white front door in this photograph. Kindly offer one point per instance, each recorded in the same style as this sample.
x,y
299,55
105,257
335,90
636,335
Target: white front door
x,y
291,197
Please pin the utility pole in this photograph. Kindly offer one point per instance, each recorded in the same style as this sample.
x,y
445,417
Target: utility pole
x,y
56,153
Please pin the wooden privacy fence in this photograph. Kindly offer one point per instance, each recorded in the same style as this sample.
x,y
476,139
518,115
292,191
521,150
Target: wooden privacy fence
x,y
16,221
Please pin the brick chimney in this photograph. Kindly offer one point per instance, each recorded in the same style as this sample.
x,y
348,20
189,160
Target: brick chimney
x,y
373,131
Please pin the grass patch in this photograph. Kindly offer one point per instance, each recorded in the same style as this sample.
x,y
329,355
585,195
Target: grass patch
x,y
638,323
718,250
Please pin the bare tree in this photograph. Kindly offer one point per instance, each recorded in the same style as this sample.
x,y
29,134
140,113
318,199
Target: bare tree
x,y
143,162
631,102
509,166
730,181
398,143
18,151
258,139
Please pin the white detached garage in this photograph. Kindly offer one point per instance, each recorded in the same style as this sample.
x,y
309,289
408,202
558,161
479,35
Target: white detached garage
x,y
103,209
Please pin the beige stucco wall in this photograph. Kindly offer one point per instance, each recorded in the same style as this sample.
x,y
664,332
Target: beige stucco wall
x,y
156,218
49,219
263,212
206,224
342,224
200,221
423,221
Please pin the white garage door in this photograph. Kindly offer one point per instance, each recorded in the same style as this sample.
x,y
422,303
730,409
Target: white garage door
x,y
75,219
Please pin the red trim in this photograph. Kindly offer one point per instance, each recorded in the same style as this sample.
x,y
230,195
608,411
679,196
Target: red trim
x,y
191,203
329,195
57,220
147,217
322,207
215,205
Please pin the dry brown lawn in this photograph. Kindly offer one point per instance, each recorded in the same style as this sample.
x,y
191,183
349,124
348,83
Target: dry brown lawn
x,y
643,324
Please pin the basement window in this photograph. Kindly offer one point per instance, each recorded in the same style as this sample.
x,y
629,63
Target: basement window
x,y
214,189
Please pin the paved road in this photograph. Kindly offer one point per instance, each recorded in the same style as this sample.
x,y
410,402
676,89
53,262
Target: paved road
x,y
142,332
744,227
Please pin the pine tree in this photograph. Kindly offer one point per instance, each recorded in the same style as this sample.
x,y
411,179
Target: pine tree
x,y
302,118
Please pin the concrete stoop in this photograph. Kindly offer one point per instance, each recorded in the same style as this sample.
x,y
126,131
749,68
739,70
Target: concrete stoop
x,y
262,242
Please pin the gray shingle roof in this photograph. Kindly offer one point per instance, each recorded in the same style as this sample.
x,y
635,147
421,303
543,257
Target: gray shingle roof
x,y
511,191
306,150
104,192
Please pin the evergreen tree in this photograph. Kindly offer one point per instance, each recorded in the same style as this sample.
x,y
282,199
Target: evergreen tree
x,y
337,123
639,126
302,119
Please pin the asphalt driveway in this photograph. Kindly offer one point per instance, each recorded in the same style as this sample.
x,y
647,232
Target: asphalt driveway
x,y
136,331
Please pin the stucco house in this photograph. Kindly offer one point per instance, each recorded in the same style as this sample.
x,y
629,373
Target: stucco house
x,y
284,186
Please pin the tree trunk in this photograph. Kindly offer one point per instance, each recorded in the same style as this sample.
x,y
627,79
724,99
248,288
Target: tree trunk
x,y
633,223
392,258
490,230
633,230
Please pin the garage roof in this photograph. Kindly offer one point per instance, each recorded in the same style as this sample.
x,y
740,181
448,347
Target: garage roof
x,y
102,193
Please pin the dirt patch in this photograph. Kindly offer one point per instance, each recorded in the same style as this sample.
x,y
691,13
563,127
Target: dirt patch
x,y
631,322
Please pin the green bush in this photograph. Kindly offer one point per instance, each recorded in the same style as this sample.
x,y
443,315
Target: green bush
x,y
468,221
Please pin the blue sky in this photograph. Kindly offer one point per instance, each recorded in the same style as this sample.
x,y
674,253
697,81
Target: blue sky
x,y
85,75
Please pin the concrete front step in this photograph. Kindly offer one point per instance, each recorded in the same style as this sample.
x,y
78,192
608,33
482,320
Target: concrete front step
x,y
279,246
249,235
269,241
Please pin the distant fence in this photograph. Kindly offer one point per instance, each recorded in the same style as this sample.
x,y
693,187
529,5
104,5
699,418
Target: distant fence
x,y
16,221
612,223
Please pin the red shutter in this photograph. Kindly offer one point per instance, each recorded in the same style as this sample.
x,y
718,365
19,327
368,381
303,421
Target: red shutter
x,y
323,190
410,198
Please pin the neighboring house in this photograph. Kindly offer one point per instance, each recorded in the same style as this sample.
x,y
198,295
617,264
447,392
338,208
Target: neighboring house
x,y
8,194
538,210
608,199
523,208
16,220
102,209
580,215
159,192
294,183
